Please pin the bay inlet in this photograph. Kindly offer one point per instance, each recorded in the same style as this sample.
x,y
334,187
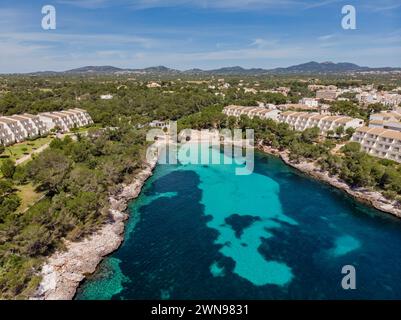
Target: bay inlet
x,y
202,232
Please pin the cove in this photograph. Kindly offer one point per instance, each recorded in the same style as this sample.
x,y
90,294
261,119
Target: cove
x,y
201,232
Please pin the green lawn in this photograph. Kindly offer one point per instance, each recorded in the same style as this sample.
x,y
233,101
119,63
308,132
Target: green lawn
x,y
28,196
85,129
21,149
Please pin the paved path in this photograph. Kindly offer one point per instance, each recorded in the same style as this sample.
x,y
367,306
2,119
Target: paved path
x,y
45,146
29,156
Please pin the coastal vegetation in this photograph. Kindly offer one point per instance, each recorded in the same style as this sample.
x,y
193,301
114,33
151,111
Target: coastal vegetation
x,y
76,178
352,109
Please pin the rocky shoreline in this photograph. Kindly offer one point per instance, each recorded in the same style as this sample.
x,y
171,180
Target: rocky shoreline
x,y
366,196
65,270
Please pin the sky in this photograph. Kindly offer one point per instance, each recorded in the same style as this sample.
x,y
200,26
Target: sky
x,y
206,34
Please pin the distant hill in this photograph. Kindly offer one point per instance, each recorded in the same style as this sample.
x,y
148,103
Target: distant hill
x,y
324,67
95,69
114,70
237,71
159,69
312,67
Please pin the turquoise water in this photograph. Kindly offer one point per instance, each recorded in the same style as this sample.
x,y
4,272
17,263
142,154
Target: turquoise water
x,y
202,232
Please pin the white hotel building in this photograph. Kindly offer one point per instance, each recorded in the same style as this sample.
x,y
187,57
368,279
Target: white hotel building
x,y
6,135
66,120
53,121
386,98
252,112
12,131
387,120
297,120
310,102
28,127
79,117
379,142
18,128
304,120
35,122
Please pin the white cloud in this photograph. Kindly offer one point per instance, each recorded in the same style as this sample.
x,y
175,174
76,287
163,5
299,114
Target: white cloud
x,y
326,37
205,4
318,4
24,52
382,5
229,4
263,43
90,4
83,39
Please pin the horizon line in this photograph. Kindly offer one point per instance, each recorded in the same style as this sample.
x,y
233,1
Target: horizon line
x,y
196,68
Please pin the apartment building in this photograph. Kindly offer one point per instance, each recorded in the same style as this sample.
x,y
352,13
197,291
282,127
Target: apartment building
x,y
297,120
66,118
82,115
17,128
385,98
304,120
52,121
28,127
265,114
387,120
367,98
252,112
297,106
379,142
76,122
310,102
13,129
386,116
6,135
234,111
36,122
327,94
390,99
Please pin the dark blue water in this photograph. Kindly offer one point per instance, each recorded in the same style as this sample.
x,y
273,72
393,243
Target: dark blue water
x,y
201,232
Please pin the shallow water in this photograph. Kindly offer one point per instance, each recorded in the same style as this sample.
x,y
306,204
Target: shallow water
x,y
202,232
